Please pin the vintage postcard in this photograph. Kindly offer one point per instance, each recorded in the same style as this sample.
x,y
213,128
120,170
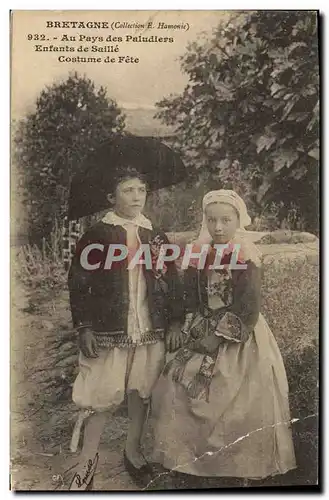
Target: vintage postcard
x,y
164,250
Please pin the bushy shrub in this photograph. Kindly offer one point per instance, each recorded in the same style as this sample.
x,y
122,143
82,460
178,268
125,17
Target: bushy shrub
x,y
41,269
71,118
252,99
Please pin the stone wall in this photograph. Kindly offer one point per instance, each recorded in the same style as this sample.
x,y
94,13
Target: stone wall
x,y
275,246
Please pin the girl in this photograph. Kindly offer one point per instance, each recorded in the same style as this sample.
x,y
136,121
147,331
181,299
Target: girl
x,y
221,404
121,316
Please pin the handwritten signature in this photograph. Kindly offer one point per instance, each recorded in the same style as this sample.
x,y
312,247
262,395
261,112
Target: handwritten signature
x,y
79,481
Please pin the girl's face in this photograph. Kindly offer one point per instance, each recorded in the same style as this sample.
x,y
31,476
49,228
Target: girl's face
x,y
222,222
130,197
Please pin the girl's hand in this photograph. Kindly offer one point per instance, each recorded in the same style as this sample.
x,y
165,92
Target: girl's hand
x,y
174,338
208,345
87,343
188,322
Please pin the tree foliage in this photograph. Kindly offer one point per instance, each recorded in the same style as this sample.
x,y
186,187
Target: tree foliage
x,y
251,108
69,120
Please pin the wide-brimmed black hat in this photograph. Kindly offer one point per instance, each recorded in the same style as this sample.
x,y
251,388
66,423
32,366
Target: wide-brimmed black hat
x,y
159,165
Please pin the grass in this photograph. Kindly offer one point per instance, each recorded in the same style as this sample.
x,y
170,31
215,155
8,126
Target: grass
x,y
290,303
291,307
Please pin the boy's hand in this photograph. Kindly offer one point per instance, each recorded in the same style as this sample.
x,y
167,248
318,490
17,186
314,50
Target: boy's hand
x,y
208,345
174,338
87,343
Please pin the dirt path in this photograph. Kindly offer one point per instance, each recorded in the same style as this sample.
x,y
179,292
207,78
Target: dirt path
x,y
40,432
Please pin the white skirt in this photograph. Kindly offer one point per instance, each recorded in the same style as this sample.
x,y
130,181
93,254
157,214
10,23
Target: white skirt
x,y
243,430
102,382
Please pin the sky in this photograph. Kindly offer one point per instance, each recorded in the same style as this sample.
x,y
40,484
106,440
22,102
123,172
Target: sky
x,y
157,75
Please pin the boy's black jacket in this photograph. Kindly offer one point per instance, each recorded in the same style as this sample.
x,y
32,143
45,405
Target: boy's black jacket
x,y
100,299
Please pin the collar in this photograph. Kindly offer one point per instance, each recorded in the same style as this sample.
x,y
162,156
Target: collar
x,y
140,221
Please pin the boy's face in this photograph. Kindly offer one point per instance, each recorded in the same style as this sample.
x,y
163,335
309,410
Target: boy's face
x,y
130,198
222,222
